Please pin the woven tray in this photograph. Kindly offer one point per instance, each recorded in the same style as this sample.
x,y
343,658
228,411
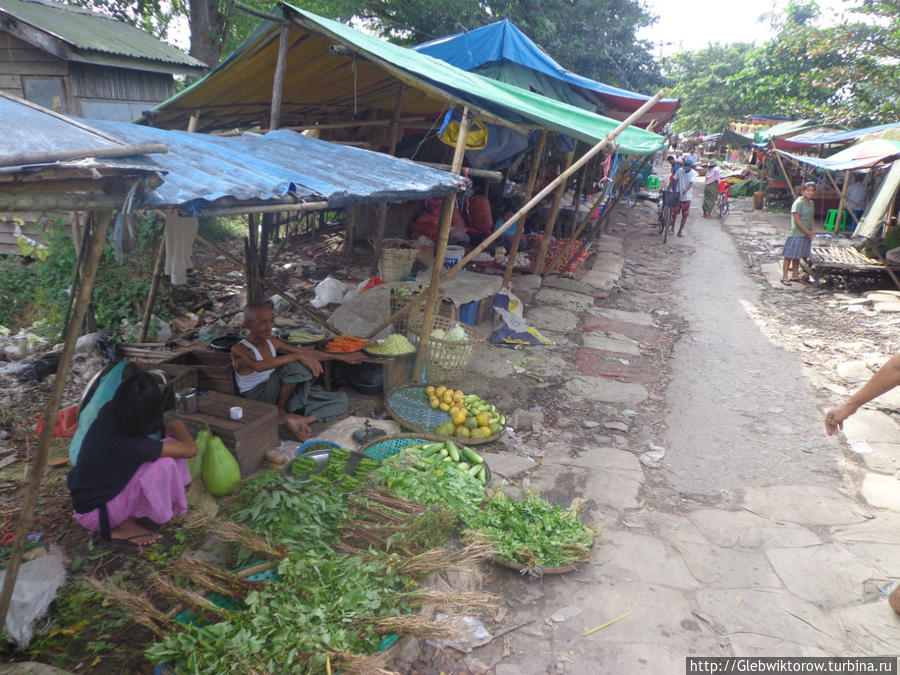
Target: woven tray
x,y
408,404
382,448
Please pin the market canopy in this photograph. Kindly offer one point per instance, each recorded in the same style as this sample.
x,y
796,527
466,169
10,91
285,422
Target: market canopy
x,y
334,72
844,136
503,52
873,221
862,155
203,169
734,139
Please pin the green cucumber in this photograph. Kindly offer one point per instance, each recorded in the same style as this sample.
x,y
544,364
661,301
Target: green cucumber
x,y
463,465
444,452
472,456
432,450
482,476
452,449
502,421
475,470
433,446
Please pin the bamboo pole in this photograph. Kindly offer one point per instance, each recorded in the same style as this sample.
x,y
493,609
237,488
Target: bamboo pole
x,y
520,227
599,147
193,121
392,150
278,78
291,301
576,198
154,284
470,172
440,249
39,462
784,173
106,152
551,221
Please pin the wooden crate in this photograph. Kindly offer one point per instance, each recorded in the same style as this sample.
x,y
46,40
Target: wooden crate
x,y
214,369
249,438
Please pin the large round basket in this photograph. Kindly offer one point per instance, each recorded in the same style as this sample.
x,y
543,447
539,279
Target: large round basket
x,y
408,404
445,360
538,571
382,448
397,258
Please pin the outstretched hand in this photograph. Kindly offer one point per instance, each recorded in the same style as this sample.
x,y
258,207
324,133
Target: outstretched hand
x,y
352,357
311,361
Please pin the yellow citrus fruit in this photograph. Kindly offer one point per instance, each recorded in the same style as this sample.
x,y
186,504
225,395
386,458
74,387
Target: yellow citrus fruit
x,y
433,402
495,427
429,390
440,390
447,398
476,433
462,432
459,418
485,430
483,419
458,393
444,407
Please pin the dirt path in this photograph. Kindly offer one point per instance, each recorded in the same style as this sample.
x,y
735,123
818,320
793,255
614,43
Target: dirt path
x,y
742,409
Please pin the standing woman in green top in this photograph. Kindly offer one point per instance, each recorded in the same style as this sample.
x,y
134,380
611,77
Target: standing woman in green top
x,y
799,241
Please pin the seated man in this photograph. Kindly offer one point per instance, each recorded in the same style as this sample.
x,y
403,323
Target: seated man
x,y
274,371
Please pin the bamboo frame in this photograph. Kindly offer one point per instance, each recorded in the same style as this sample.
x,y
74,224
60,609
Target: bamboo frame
x,y
392,150
284,35
106,152
154,284
551,220
529,191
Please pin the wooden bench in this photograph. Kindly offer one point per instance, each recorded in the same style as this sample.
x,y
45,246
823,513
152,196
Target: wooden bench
x,y
249,438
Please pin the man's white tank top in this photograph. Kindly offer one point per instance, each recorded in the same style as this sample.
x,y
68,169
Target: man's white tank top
x,y
247,382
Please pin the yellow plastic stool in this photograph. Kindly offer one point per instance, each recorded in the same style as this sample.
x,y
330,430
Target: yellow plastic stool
x,y
831,217
653,182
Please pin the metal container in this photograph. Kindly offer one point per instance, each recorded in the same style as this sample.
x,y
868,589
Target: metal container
x,y
186,401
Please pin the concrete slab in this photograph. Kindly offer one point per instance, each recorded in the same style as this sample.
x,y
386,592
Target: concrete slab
x,y
881,529
640,333
881,296
612,342
747,530
883,559
728,568
616,488
599,362
827,575
507,465
495,362
748,644
601,280
882,492
887,307
854,372
872,628
552,318
778,615
526,285
640,318
872,426
884,458
803,504
609,243
772,273
573,302
629,556
570,286
604,389
670,527
889,401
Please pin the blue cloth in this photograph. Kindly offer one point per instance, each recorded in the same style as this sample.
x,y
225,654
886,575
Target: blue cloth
x,y
103,394
509,231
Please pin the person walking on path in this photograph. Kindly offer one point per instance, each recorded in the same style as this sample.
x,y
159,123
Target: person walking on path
x,y
684,183
711,191
799,241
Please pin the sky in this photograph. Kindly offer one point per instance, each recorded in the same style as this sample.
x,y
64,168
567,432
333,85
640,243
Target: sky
x,y
693,25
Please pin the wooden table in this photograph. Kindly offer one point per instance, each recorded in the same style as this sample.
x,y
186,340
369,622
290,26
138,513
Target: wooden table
x,y
249,438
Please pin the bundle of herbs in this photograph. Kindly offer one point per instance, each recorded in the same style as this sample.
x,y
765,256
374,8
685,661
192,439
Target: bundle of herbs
x,y
532,532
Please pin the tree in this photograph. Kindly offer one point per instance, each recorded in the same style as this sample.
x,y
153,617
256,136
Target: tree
x,y
699,82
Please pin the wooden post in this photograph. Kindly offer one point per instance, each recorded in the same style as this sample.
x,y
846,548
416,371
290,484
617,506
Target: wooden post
x,y
605,144
787,176
278,80
39,462
551,221
154,284
392,150
529,190
447,206
576,199
193,121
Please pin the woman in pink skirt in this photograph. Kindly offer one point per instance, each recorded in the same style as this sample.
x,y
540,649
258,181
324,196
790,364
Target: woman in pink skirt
x,y
122,474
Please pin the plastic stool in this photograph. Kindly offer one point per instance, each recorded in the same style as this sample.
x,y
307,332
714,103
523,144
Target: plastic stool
x,y
831,217
653,182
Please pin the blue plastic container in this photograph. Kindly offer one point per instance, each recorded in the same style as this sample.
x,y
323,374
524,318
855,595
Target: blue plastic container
x,y
468,313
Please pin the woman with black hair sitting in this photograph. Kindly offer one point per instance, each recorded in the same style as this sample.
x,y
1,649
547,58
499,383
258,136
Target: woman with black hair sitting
x,y
123,473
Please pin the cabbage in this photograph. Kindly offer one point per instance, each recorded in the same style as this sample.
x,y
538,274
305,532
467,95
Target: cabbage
x,y
392,344
438,333
456,334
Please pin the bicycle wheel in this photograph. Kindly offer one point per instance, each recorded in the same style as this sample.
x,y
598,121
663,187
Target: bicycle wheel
x,y
663,217
720,206
629,198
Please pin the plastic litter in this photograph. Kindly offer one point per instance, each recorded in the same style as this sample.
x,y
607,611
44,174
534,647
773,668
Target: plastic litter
x,y
328,291
475,634
36,587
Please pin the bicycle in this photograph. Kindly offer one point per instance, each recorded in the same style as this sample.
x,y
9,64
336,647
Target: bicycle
x,y
722,206
669,200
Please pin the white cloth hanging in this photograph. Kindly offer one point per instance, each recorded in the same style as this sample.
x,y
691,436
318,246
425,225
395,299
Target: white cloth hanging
x,y
180,233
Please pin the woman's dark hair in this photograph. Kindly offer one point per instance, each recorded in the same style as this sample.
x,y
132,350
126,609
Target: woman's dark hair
x,y
137,406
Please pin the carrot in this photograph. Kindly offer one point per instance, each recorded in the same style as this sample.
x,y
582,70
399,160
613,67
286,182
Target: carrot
x,y
345,343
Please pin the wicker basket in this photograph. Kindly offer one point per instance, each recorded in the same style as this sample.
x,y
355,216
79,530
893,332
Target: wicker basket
x,y
398,302
396,260
445,361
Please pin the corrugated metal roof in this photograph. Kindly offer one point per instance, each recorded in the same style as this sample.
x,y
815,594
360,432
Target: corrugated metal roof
x,y
89,31
202,168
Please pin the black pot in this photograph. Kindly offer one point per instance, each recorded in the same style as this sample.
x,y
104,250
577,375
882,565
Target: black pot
x,y
224,343
367,378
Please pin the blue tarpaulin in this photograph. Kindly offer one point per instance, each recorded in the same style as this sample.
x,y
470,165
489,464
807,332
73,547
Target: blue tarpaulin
x,y
482,49
203,168
844,136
